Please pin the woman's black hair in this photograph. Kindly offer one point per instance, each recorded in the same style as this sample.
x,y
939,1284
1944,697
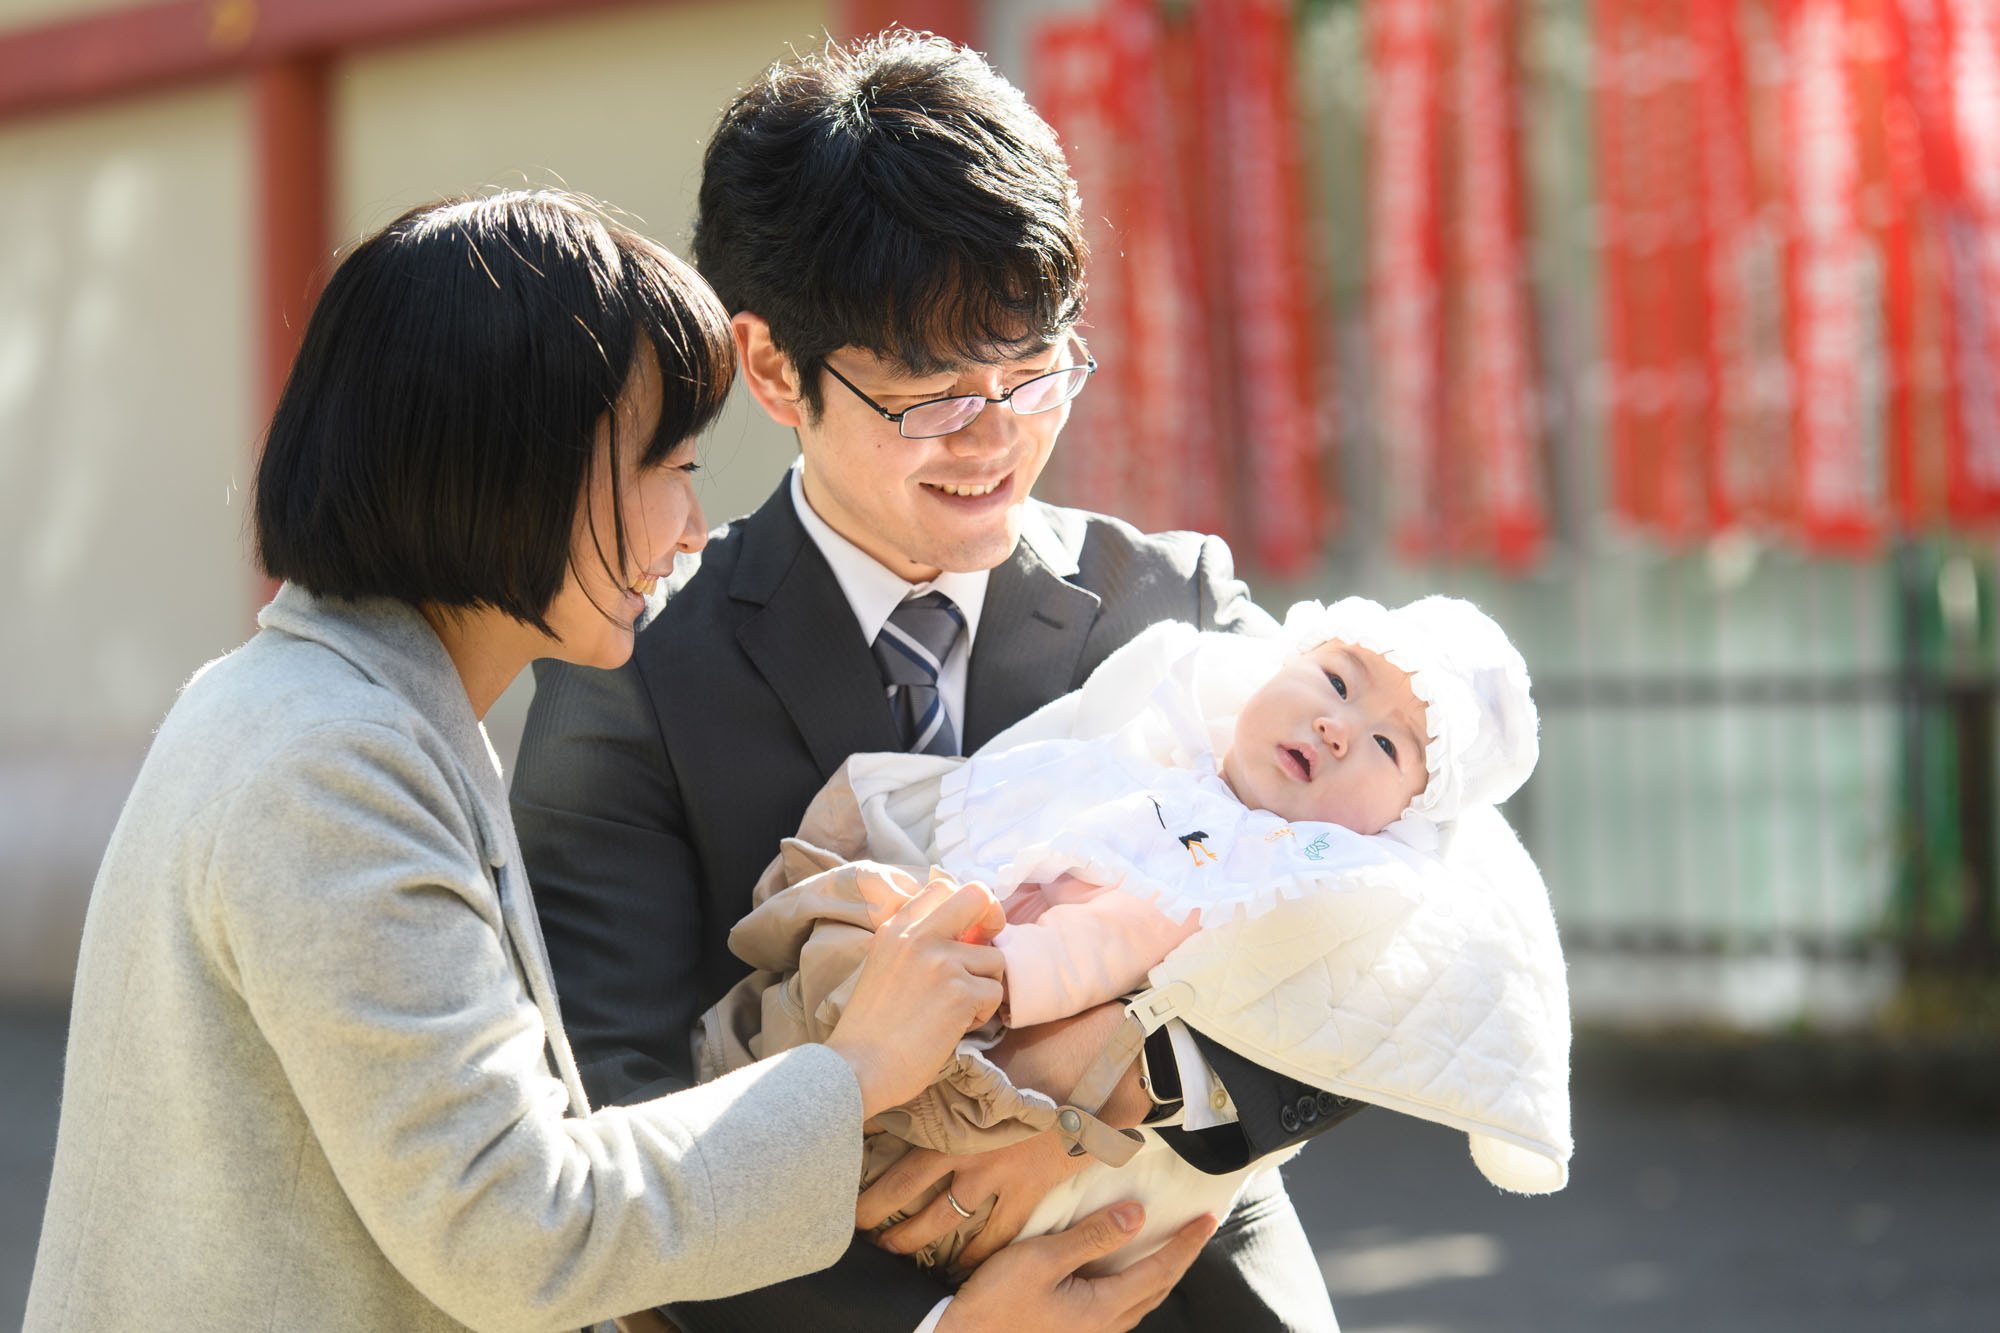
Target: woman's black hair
x,y
895,195
438,429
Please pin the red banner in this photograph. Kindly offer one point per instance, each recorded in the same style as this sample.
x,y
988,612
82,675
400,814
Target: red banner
x,y
1496,500
1073,77
1255,173
1972,35
1657,278
1833,287
1405,318
1930,184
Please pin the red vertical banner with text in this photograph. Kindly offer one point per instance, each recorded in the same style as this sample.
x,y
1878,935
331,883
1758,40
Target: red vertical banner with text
x,y
1657,278
1737,254
1929,188
1074,62
1144,439
1973,38
1255,169
1177,479
1494,487
1833,286
1405,308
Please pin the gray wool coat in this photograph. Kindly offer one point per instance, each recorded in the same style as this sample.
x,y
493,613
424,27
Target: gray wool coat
x,y
317,1078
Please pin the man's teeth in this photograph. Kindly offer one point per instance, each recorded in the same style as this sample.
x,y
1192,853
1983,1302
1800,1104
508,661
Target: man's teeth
x,y
987,489
644,587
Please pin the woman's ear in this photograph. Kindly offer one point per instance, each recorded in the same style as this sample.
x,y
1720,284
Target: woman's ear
x,y
767,372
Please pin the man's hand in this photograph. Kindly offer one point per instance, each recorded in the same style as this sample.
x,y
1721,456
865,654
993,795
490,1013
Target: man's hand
x,y
1015,1178
1034,1284
1050,1058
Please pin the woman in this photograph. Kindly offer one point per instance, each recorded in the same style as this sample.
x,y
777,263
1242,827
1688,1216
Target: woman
x,y
316,1074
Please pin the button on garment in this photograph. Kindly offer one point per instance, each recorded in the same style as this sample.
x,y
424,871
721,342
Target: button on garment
x,y
910,651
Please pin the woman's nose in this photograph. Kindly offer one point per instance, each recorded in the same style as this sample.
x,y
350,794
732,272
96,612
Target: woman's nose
x,y
694,533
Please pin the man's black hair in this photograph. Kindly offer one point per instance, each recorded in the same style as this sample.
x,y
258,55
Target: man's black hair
x,y
438,428
895,195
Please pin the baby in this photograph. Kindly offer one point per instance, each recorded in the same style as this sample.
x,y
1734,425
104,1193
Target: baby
x,y
1203,800
1377,721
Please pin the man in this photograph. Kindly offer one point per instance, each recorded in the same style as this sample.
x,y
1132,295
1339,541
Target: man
x,y
900,237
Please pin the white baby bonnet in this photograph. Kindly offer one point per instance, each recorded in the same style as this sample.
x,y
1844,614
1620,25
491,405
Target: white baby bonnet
x,y
1479,714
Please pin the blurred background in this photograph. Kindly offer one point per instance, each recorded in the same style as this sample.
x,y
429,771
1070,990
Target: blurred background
x,y
1669,330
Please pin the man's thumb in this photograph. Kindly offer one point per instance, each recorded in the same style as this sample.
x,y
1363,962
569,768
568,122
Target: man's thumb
x,y
1102,1232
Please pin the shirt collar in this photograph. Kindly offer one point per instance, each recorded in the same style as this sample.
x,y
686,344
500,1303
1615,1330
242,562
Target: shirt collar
x,y
874,590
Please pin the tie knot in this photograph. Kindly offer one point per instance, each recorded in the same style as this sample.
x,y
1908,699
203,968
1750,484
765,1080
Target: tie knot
x,y
916,639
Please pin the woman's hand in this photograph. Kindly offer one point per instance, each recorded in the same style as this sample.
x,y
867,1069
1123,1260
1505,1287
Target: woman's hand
x,y
1035,1285
929,978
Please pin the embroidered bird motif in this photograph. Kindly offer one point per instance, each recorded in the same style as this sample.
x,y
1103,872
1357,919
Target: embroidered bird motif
x,y
1197,848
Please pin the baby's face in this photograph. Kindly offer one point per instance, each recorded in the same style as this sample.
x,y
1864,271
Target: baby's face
x,y
1337,736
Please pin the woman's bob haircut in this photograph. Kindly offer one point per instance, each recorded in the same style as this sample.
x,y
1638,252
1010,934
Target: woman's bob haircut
x,y
438,429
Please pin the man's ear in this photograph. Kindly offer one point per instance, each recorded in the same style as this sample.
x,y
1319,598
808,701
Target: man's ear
x,y
767,372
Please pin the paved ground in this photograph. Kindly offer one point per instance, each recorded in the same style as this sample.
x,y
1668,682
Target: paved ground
x,y
1695,1211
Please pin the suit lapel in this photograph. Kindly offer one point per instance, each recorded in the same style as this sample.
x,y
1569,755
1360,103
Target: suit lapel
x,y
803,638
1031,639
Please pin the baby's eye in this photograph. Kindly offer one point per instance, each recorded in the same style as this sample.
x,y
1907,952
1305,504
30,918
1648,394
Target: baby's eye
x,y
1388,747
1339,685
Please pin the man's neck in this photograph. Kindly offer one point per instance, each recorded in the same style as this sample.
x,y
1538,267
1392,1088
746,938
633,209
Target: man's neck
x,y
862,540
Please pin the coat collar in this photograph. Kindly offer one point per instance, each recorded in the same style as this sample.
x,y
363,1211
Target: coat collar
x,y
805,642
393,645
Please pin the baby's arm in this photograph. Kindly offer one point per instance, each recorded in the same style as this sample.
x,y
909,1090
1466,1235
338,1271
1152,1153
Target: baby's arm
x,y
1092,945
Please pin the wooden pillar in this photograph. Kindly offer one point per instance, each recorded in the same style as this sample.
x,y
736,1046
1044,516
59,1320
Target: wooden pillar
x,y
293,196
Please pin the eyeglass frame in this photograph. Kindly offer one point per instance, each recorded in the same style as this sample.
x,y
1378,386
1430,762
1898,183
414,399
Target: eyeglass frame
x,y
1089,368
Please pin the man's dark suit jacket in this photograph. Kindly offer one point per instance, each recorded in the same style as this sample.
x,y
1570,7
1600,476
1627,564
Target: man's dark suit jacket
x,y
649,799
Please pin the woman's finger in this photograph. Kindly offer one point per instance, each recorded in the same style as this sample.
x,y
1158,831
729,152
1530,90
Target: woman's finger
x,y
918,907
912,1174
981,960
961,908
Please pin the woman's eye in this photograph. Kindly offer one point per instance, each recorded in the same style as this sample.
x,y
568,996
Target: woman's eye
x,y
1339,685
688,468
1388,747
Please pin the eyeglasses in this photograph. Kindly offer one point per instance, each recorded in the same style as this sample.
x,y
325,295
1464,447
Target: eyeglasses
x,y
942,416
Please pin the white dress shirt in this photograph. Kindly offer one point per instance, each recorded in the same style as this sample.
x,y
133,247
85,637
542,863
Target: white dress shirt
x,y
874,591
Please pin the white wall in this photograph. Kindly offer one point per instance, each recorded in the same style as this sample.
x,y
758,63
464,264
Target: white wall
x,y
125,439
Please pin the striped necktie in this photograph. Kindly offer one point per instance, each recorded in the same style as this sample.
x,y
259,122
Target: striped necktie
x,y
911,650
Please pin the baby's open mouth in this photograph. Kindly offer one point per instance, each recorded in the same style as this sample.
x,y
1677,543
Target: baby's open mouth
x,y
1302,759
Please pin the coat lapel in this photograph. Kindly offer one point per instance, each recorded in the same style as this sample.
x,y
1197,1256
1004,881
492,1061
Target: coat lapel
x,y
1030,645
803,638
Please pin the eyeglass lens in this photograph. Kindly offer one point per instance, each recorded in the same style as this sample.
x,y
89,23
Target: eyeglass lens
x,y
1041,394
